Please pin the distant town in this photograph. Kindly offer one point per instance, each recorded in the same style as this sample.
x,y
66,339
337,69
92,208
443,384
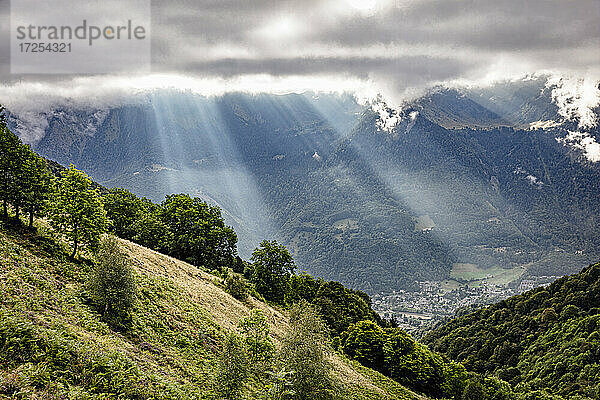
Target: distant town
x,y
416,310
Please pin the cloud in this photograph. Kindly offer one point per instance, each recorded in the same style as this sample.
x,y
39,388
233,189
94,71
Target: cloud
x,y
31,101
583,141
398,48
576,99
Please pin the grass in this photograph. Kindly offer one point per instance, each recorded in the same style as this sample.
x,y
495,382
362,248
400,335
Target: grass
x,y
54,345
423,223
449,285
367,384
170,347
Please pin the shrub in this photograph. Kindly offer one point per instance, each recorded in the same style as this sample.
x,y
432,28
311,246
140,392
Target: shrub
x,y
233,368
304,353
112,284
236,286
255,330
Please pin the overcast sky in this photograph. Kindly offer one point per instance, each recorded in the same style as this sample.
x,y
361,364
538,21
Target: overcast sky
x,y
395,47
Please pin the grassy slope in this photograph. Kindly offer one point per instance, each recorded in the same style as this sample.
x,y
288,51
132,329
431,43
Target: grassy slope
x,y
55,345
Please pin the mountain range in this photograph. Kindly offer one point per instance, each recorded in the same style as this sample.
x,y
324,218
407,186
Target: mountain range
x,y
462,186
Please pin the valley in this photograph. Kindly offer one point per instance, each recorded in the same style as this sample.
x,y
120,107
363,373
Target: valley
x,y
394,232
471,207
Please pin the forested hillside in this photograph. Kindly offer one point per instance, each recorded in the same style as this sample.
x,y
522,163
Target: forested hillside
x,y
546,338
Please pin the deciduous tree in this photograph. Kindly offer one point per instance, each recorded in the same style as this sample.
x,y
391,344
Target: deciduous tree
x,y
39,188
233,368
364,342
272,267
9,162
112,284
123,209
77,211
199,234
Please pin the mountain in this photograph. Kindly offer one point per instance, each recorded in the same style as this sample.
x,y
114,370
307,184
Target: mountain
x,y
216,149
547,338
54,344
517,104
451,108
500,195
455,192
520,102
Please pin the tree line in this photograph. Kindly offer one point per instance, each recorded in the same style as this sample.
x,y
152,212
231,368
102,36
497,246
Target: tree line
x,y
25,182
181,226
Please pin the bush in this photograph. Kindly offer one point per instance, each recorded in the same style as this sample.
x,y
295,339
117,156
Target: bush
x,y
255,330
112,284
304,352
233,368
236,286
